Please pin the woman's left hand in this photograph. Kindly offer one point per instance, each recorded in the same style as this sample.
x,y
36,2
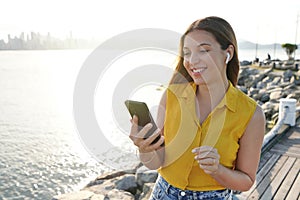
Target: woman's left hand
x,y
208,159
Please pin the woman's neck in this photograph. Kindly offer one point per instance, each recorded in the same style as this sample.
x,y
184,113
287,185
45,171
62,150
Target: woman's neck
x,y
212,94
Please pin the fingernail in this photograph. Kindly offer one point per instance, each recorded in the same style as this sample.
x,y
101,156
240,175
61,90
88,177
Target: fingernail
x,y
195,157
194,151
157,130
149,125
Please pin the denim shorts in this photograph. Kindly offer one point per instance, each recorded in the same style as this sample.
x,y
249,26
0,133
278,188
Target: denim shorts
x,y
164,191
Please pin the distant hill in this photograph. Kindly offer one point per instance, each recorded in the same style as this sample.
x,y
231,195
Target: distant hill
x,y
250,45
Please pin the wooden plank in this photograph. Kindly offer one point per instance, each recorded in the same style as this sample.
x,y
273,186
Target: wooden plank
x,y
288,150
294,193
290,154
285,148
292,138
287,144
268,178
263,160
294,143
292,135
288,181
280,176
260,175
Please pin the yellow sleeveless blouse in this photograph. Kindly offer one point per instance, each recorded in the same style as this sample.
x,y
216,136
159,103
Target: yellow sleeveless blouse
x,y
222,130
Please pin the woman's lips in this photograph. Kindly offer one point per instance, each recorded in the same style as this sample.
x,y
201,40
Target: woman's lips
x,y
198,71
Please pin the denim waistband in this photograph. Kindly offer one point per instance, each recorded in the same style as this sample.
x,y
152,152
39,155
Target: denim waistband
x,y
190,194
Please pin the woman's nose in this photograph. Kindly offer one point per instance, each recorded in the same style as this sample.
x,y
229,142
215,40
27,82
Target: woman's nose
x,y
194,59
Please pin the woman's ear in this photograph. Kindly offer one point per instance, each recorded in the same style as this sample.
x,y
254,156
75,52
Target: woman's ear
x,y
229,54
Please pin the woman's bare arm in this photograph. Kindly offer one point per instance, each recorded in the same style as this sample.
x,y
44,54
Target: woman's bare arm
x,y
243,177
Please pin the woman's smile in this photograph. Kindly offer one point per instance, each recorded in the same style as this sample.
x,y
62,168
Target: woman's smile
x,y
198,71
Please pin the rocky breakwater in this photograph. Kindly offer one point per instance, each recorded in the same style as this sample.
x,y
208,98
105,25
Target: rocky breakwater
x,y
266,86
126,185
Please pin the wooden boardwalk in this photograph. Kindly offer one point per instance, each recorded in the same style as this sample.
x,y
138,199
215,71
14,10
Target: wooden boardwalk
x,y
278,175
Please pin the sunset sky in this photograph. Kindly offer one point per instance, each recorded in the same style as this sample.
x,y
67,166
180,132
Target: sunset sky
x,y
256,20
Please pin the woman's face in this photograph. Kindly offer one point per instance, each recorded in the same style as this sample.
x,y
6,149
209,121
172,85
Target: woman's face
x,y
203,58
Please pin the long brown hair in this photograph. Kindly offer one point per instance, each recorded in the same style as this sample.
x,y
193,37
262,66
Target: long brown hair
x,y
224,34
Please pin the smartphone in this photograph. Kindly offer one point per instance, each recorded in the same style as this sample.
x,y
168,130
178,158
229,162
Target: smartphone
x,y
140,109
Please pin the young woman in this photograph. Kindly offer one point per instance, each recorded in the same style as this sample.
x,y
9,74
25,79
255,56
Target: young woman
x,y
212,131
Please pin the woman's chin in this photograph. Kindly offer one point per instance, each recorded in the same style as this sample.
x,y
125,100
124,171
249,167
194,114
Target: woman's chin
x,y
199,81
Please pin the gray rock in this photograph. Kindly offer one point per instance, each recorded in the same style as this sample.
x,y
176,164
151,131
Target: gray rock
x,y
276,95
264,97
81,195
270,109
273,74
119,195
297,81
245,63
99,197
243,89
127,183
292,80
271,86
103,188
267,79
267,106
253,91
284,84
261,85
287,75
276,81
294,95
144,175
254,76
106,176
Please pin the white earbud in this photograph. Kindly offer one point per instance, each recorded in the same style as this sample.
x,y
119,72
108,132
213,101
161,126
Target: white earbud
x,y
227,58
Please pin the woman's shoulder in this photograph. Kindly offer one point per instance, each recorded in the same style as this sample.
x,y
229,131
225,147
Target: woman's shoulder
x,y
259,114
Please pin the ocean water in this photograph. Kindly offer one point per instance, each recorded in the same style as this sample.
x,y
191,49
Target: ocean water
x,y
41,152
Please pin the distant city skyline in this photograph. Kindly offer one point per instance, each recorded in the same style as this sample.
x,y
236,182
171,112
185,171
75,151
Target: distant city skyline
x,y
37,41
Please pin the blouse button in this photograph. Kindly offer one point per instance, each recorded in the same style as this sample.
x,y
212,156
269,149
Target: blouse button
x,y
182,193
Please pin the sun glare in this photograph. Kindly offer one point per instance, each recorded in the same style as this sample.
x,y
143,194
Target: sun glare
x,y
256,21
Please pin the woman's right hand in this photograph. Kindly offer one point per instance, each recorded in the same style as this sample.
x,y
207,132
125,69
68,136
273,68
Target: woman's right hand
x,y
144,145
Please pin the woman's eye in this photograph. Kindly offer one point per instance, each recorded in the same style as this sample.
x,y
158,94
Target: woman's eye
x,y
186,53
203,51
